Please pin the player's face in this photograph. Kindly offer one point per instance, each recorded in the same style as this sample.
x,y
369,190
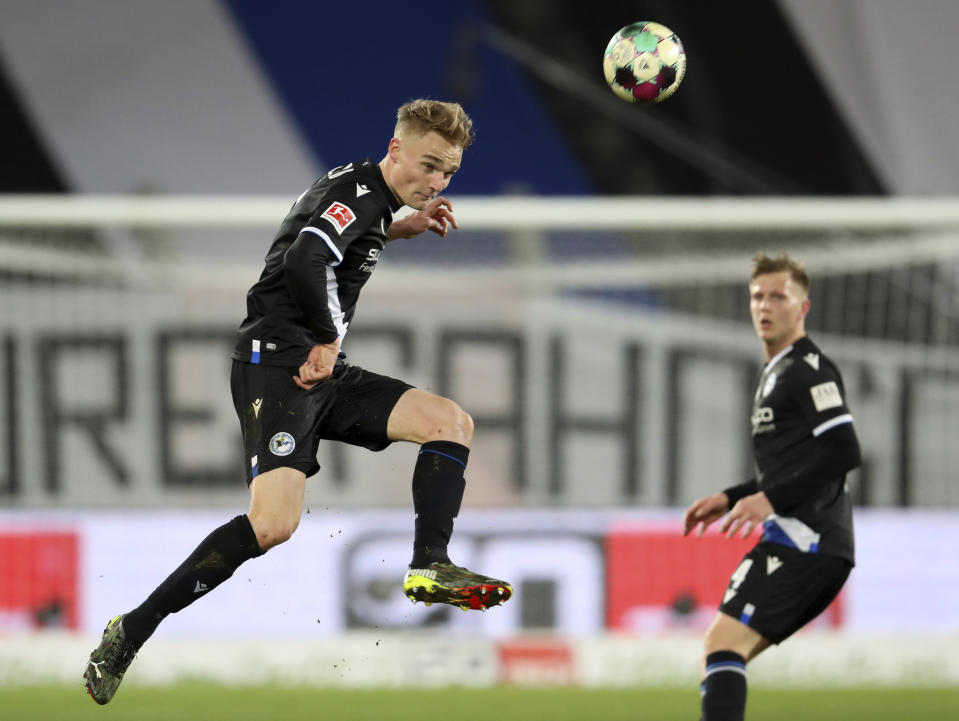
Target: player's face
x,y
421,166
778,306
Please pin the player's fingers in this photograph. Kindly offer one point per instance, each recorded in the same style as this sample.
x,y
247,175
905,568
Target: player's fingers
x,y
301,384
446,213
445,219
726,524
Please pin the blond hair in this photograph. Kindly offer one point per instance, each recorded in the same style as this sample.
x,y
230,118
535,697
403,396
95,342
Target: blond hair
x,y
422,116
763,264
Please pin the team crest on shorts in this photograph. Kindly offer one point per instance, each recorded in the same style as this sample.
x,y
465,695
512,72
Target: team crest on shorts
x,y
282,444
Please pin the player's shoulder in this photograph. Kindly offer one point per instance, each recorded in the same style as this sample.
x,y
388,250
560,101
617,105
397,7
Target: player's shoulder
x,y
354,191
351,181
810,365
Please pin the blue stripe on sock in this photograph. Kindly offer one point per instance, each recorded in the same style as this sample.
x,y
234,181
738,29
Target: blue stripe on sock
x,y
445,455
725,664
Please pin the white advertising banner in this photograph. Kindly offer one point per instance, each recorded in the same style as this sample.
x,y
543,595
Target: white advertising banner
x,y
576,574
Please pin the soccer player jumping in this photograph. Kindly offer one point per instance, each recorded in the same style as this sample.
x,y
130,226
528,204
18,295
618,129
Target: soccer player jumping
x,y
804,444
292,386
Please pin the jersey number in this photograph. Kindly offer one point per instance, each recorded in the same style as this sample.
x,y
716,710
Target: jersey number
x,y
340,170
739,575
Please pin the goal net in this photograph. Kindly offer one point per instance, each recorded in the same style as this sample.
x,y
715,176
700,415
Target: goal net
x,y
602,346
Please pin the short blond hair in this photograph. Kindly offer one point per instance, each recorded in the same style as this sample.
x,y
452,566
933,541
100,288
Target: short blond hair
x,y
422,116
763,264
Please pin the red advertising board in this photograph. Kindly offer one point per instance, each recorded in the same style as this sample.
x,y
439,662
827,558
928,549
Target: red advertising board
x,y
658,580
544,662
39,580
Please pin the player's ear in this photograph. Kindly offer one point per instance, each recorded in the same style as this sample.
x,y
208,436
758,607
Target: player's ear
x,y
806,305
393,149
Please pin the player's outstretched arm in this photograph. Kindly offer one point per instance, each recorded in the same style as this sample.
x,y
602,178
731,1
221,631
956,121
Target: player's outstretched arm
x,y
704,511
436,216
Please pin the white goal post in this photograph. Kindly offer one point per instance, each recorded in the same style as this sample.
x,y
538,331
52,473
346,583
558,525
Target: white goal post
x,y
505,212
837,235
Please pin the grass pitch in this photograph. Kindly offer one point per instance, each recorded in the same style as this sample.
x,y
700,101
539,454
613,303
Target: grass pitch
x,y
221,703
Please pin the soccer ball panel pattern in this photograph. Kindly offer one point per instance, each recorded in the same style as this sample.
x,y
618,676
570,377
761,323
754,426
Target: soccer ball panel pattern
x,y
644,62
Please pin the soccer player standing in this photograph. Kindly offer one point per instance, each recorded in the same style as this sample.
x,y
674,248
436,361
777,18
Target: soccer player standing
x,y
292,386
804,444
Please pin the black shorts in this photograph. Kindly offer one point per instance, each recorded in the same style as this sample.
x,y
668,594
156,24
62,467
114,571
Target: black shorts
x,y
282,424
776,590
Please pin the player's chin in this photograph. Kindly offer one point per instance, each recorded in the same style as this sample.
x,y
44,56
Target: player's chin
x,y
418,201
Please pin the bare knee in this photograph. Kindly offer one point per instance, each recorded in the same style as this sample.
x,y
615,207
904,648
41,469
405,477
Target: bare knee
x,y
444,420
452,423
276,502
421,417
272,532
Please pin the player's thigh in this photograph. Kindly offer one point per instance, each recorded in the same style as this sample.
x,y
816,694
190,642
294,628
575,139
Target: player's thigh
x,y
361,403
727,634
776,590
276,504
420,417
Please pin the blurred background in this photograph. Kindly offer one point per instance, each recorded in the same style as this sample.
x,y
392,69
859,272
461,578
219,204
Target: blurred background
x,y
591,314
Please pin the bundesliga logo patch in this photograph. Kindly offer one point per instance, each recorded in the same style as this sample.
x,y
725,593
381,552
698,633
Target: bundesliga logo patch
x,y
340,216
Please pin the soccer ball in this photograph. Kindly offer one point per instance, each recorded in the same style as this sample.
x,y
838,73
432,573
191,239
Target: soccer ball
x,y
644,63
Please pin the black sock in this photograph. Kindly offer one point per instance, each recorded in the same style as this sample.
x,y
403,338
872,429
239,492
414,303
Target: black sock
x,y
210,564
438,486
724,687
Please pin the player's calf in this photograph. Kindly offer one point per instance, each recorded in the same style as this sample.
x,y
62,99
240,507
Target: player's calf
x,y
724,687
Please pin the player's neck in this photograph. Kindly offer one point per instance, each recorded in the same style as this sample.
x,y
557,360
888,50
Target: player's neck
x,y
774,348
385,172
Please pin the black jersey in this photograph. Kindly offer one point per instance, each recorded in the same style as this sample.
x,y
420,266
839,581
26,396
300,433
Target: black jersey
x,y
804,444
322,255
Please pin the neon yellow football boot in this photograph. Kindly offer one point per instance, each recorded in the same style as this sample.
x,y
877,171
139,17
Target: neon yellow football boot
x,y
456,586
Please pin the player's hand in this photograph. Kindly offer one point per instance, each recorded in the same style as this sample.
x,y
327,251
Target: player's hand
x,y
318,366
437,216
748,513
704,511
